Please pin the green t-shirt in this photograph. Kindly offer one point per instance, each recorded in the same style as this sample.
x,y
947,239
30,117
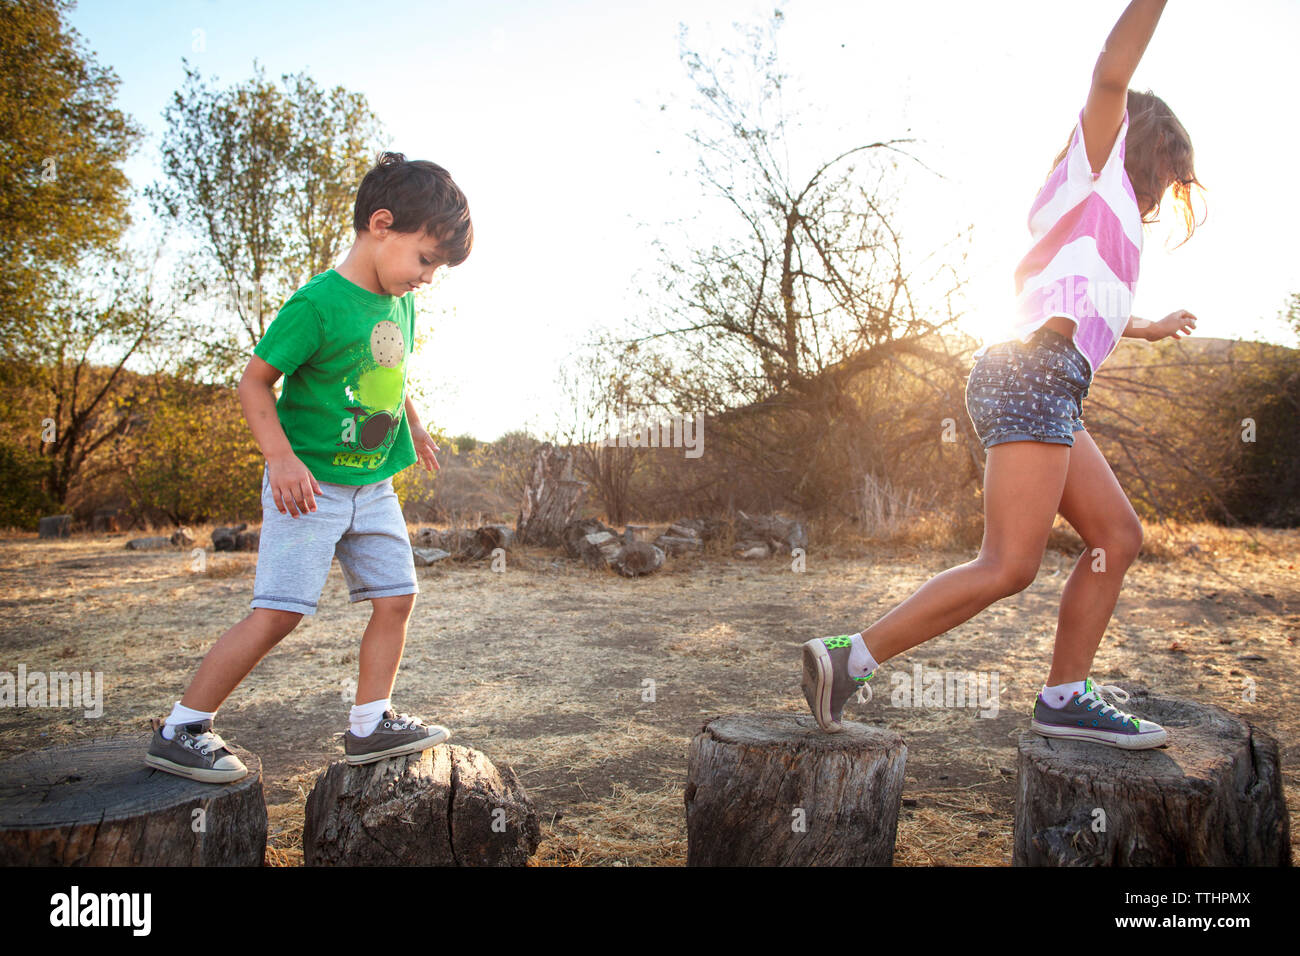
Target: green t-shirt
x,y
343,352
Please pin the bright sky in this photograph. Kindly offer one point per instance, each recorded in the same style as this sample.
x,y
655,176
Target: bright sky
x,y
548,116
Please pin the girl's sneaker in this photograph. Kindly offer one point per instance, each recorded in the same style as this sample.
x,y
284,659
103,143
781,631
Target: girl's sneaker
x,y
1088,716
194,752
827,685
396,736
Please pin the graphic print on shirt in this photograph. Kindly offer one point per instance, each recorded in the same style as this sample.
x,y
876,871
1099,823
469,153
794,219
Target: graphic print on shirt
x,y
374,399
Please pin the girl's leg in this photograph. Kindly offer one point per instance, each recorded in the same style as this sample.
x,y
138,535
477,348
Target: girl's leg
x,y
381,647
235,654
1023,483
1095,504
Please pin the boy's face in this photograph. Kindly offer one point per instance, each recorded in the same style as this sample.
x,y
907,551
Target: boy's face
x,y
404,261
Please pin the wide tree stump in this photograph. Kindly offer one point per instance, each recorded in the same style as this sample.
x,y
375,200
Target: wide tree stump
x,y
775,790
448,806
1211,797
99,804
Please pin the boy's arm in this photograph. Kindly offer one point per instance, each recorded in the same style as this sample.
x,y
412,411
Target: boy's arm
x,y
292,483
1108,96
424,445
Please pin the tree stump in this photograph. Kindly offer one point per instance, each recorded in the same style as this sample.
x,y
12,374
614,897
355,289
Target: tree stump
x,y
638,558
550,498
775,790
447,806
105,519
575,534
98,804
226,539
54,526
1212,796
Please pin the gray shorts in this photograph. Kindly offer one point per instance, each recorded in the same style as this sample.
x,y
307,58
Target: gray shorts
x,y
361,525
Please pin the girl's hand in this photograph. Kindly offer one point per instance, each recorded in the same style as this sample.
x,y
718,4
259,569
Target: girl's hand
x,y
1176,324
424,448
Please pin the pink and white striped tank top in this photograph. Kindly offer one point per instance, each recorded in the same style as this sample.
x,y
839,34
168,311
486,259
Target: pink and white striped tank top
x,y
1087,233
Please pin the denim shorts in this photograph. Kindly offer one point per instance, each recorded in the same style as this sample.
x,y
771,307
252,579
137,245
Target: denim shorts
x,y
1031,391
361,525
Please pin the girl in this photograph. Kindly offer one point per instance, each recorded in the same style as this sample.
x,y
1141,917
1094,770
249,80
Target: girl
x,y
1024,397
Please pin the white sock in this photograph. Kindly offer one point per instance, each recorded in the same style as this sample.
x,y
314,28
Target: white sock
x,y
364,718
1058,696
861,663
183,715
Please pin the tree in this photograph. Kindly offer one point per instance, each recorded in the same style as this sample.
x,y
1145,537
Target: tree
x,y
805,288
1291,314
265,179
74,365
193,459
63,194
597,386
815,278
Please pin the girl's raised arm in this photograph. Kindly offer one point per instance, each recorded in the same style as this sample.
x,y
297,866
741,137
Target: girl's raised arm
x,y
1108,97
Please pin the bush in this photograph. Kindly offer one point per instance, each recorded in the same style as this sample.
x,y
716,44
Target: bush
x,y
24,501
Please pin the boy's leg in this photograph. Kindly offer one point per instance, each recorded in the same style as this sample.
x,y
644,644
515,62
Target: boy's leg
x,y
381,647
293,561
1023,483
375,555
1095,505
377,564
236,653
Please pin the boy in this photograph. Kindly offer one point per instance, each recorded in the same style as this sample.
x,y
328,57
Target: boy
x,y
341,429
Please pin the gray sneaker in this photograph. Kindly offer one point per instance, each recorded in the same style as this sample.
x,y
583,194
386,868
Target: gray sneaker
x,y
827,685
194,752
1088,716
396,736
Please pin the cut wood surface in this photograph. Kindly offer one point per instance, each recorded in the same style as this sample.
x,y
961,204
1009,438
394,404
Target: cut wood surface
x,y
1212,796
775,790
97,803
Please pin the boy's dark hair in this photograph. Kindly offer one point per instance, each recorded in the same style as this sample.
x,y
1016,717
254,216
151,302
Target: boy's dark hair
x,y
421,196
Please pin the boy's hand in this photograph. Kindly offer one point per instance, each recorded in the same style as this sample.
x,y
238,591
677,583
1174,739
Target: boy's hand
x,y
292,485
1176,324
424,447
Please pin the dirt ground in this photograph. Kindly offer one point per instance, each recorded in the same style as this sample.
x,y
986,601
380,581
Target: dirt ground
x,y
542,667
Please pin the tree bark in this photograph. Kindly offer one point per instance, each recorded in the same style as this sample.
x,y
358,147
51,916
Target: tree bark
x,y
1212,796
447,806
550,498
775,790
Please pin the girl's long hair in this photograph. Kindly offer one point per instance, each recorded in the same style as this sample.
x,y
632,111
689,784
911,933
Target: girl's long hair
x,y
1157,156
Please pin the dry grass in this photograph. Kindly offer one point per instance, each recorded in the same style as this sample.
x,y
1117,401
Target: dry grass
x,y
628,828
542,667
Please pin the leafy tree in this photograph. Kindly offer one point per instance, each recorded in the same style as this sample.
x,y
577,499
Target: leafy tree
x,y
265,179
62,143
73,366
194,460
